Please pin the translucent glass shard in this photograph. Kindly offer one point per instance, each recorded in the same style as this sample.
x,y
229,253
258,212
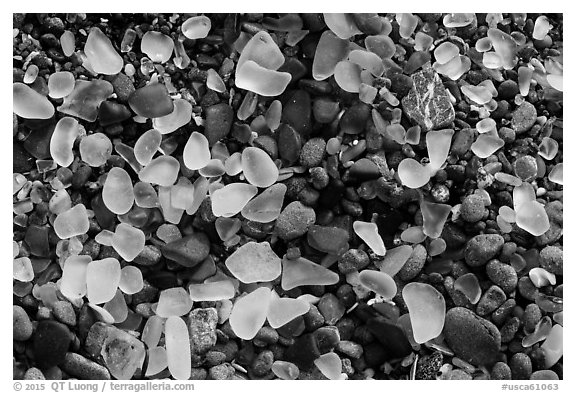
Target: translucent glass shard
x,y
427,310
454,20
102,279
128,241
285,370
486,145
367,61
556,175
212,291
532,217
394,260
262,50
181,116
68,43
382,45
541,331
101,54
73,281
173,302
157,361
486,125
231,199
162,170
196,27
95,149
408,24
157,46
62,141
177,348
553,346
22,269
556,81
283,310
249,313
301,271
505,46
254,262
541,27
118,193
131,280
434,217
413,174
341,24
171,214
347,75
117,307
266,207
72,222
257,79
60,84
468,284
445,52
479,94
29,104
524,79
31,74
152,331
182,193
145,195
378,282
196,151
214,81
438,145
541,278
368,232
83,102
147,145
330,365
258,167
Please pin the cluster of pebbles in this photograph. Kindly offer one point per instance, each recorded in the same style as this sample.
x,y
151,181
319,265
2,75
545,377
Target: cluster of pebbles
x,y
288,196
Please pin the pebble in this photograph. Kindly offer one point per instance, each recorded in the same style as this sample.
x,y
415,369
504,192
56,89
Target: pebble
x,y
428,366
64,312
221,372
526,288
501,371
297,112
267,335
551,259
21,325
492,298
462,142
331,308
262,364
34,374
312,152
508,89
214,358
303,352
289,143
364,169
472,209
188,251
523,117
325,110
350,349
481,248
502,275
202,329
554,210
219,119
532,315
51,342
471,337
313,319
401,85
458,374
503,312
414,264
294,221
123,87
544,375
354,119
392,338
520,366
78,366
353,260
330,240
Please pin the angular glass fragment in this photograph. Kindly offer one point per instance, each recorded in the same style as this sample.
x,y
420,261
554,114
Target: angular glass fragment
x,y
95,149
212,291
73,281
128,241
368,232
151,101
68,43
182,193
469,286
427,310
101,54
147,145
347,75
196,27
394,260
22,269
131,281
446,52
343,25
423,42
486,145
145,195
104,237
118,193
249,313
486,125
162,170
83,102
196,151
434,217
541,278
507,214
285,370
301,271
62,141
127,153
128,40
556,175
458,20
454,68
437,247
117,307
505,46
173,302
254,262
157,361
29,104
553,346
72,222
102,279
258,167
483,45
532,217
60,84
479,94
556,81
524,79
178,348
266,207
413,235
541,331
541,27
413,135
273,115
408,24
330,365
200,190
548,148
171,214
101,314
522,194
283,310
181,116
153,331
368,61
438,145
382,45
157,46
262,50
397,132
231,199
413,174
214,81
379,283
257,79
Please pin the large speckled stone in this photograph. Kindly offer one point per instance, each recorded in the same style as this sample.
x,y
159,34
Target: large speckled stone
x,y
523,117
427,103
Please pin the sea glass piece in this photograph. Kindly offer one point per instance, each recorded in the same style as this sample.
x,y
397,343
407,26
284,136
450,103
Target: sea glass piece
x,y
212,291
483,45
548,148
231,199
83,102
342,24
556,175
455,68
505,46
157,46
524,79
68,43
100,53
157,361
427,310
29,104
285,370
479,94
541,278
227,227
265,207
196,27
394,259
257,79
214,81
262,50
367,61
438,145
118,193
556,81
151,101
60,84
147,145
145,195
196,152
131,280
95,149
128,241
249,313
468,284
378,282
445,52
541,331
283,310
541,27
408,23
182,193
117,307
72,222
486,125
127,153
522,194
330,50
486,145
258,167
413,235
423,42
434,217
22,269
173,302
382,45
301,271
181,116
177,348
455,20
286,23
171,214
102,279
101,314
62,141
200,190
368,232
347,75
73,281
152,331
553,346
254,262
330,365
413,174
532,217
162,170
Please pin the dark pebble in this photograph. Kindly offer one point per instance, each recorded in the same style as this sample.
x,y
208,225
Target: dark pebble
x,y
51,342
312,152
188,251
219,120
330,240
64,312
532,315
551,259
364,169
325,110
520,366
111,113
491,299
78,366
428,366
481,248
331,308
472,209
508,89
526,168
263,363
297,112
289,143
502,275
414,264
294,221
350,349
509,330
151,101
123,87
501,371
463,141
354,119
353,260
303,352
391,337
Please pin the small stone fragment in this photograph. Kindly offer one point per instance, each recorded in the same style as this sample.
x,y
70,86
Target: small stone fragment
x,y
294,221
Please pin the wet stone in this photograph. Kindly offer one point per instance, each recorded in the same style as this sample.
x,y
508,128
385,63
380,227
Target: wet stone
x,y
472,209
551,259
51,342
21,324
312,152
414,264
353,260
123,87
481,248
289,143
78,366
188,251
523,117
297,112
502,275
331,309
294,221
303,352
112,113
391,337
493,298
151,101
219,120
428,366
330,240
202,329
428,104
